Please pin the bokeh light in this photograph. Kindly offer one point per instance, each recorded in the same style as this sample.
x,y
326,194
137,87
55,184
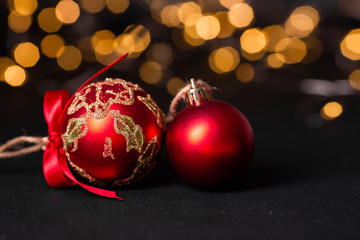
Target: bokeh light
x,y
150,72
68,58
241,15
331,110
354,79
26,54
245,72
25,7
174,84
293,49
224,59
161,53
48,21
189,13
350,45
67,11
274,33
103,42
191,36
275,60
15,76
229,3
208,27
226,28
170,16
134,40
51,44
117,6
253,40
5,62
302,21
92,6
19,23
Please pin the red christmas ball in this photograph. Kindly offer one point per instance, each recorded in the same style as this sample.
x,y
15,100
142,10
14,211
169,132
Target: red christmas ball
x,y
209,144
111,132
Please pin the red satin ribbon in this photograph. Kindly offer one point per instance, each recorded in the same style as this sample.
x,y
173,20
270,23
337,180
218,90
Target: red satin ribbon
x,y
55,167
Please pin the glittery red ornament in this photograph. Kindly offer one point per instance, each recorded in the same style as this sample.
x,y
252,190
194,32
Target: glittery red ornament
x,y
111,132
209,142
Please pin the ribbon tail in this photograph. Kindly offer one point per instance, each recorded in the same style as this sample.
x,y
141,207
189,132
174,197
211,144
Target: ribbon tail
x,y
95,190
98,191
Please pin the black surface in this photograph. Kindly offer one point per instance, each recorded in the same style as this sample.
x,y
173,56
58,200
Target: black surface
x,y
303,183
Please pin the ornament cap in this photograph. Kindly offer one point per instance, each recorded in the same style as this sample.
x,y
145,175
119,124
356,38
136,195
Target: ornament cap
x,y
196,95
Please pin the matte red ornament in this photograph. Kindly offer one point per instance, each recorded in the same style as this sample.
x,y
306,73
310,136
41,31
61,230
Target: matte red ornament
x,y
111,132
210,142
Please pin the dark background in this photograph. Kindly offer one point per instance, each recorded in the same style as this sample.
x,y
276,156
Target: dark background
x,y
303,182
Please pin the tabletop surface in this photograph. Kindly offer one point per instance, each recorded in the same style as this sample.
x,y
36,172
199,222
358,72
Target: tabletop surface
x,y
303,183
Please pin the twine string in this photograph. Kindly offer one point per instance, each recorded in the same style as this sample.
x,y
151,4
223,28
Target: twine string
x,y
38,143
181,96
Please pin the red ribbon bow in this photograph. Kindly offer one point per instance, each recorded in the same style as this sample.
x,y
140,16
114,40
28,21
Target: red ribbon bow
x,y
56,169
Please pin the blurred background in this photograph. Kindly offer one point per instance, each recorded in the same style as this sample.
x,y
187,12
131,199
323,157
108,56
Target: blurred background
x,y
281,62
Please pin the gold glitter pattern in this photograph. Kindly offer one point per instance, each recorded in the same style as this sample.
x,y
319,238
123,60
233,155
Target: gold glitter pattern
x,y
108,148
75,129
132,132
145,163
82,173
150,103
100,106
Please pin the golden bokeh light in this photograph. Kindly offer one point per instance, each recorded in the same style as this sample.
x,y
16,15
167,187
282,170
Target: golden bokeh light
x,y
274,33
275,60
253,40
224,59
189,13
134,40
51,44
48,21
331,110
15,76
5,62
208,27
25,7
26,54
150,72
92,6
191,37
117,6
161,53
241,15
252,56
226,28
174,84
67,11
229,3
245,72
19,23
107,59
302,21
68,58
103,42
350,45
293,49
170,16
354,79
